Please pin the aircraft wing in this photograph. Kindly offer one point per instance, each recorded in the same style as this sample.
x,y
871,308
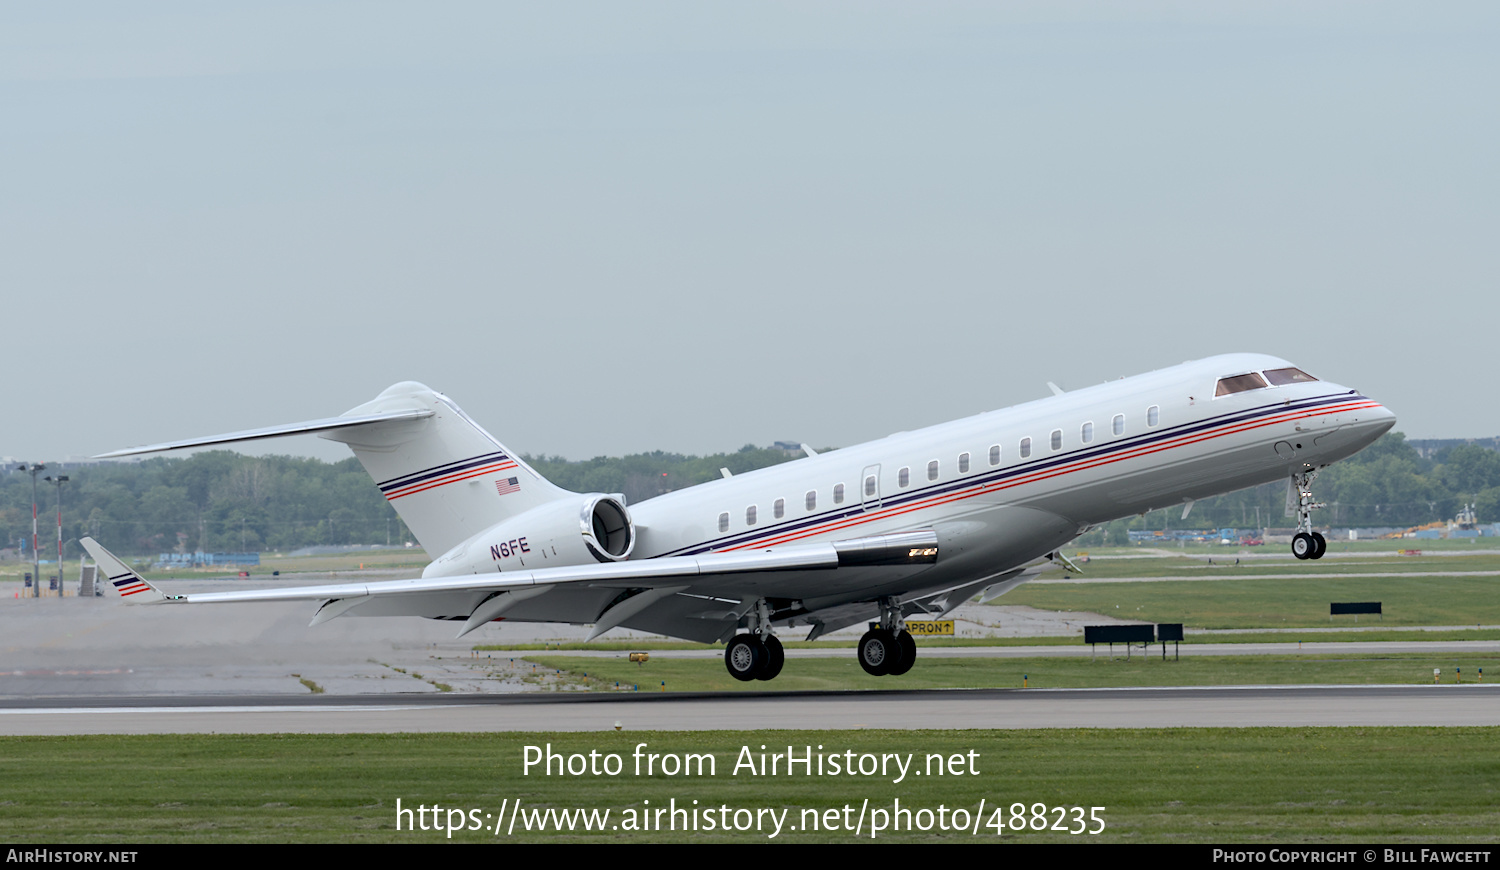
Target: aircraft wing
x,y
647,581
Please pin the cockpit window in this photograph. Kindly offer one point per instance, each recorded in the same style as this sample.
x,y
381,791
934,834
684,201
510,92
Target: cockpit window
x,y
1239,384
1282,377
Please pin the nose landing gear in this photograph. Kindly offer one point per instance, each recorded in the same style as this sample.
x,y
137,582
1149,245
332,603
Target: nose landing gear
x,y
1306,544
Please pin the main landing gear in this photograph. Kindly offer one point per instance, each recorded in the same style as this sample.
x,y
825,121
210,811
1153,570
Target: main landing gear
x,y
757,655
1306,544
888,648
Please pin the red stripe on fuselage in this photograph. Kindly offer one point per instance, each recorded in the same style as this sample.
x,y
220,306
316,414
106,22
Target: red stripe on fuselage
x,y
1047,473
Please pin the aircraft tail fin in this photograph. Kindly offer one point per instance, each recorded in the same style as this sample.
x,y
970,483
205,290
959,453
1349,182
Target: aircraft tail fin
x,y
444,474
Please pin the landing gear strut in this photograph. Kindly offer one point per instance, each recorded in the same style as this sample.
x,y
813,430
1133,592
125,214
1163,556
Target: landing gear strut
x,y
888,648
1306,544
757,655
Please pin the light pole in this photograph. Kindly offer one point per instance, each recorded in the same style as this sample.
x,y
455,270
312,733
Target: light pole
x,y
58,481
36,564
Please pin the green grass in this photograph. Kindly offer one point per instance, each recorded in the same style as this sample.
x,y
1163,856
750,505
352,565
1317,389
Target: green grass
x,y
311,686
1378,547
1275,603
1259,785
1352,636
708,675
1193,565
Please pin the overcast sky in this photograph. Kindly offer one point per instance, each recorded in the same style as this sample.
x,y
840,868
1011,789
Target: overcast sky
x,y
612,227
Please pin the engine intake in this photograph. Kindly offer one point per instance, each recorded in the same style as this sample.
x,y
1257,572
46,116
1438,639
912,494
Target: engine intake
x,y
607,530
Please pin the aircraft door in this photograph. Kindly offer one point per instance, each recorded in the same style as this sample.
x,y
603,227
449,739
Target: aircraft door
x,y
869,488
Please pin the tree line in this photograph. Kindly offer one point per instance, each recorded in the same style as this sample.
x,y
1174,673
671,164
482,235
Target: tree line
x,y
220,501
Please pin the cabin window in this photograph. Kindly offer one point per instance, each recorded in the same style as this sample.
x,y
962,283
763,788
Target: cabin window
x,y
778,508
1153,415
724,521
812,499
1119,424
932,470
1087,432
903,477
1056,439
1282,377
838,493
994,454
750,515
963,463
870,486
1239,384
1025,447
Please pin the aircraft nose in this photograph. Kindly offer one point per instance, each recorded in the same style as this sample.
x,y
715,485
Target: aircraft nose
x,y
1357,428
1375,422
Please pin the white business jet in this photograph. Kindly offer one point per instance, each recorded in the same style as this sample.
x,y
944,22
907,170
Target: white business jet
x,y
911,525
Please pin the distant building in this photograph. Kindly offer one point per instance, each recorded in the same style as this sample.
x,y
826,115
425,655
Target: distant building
x,y
10,464
196,559
1427,447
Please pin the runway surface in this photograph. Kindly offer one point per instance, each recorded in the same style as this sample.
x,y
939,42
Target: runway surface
x,y
91,667
1445,705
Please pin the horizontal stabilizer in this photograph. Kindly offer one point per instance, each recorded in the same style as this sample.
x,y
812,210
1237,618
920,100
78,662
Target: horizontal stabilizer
x,y
327,424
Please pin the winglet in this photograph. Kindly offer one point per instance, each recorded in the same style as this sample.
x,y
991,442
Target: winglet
x,y
123,578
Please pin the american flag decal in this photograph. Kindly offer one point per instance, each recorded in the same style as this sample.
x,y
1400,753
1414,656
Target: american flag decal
x,y
507,485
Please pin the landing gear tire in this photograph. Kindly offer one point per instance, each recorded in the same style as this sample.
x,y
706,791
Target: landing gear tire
x,y
878,651
908,646
775,658
1306,544
746,657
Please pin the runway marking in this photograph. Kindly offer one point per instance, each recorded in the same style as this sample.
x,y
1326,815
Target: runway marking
x,y
369,708
73,672
735,696
1263,687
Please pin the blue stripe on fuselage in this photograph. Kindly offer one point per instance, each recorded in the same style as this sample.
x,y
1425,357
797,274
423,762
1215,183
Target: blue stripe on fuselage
x,y
739,539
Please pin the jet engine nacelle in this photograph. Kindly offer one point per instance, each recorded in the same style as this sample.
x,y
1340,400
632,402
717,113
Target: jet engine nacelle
x,y
578,530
